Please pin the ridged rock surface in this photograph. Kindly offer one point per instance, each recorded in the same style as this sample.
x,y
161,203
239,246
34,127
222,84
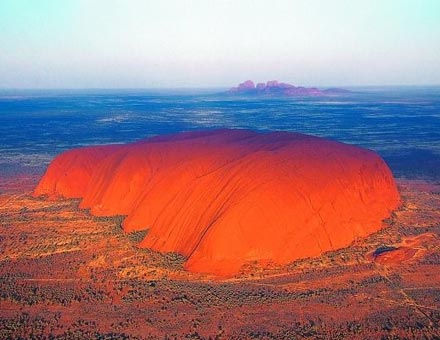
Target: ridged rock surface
x,y
225,197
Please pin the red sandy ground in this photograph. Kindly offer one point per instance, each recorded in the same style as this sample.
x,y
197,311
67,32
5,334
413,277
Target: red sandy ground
x,y
65,274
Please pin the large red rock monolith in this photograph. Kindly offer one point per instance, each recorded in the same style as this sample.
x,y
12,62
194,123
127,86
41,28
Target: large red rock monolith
x,y
225,197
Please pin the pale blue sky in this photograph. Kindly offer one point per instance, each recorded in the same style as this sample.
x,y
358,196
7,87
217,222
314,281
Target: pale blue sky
x,y
202,43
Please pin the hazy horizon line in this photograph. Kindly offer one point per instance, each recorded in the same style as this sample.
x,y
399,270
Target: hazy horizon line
x,y
204,87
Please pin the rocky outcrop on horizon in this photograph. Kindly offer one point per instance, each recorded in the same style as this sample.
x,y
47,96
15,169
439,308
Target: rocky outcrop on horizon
x,y
275,88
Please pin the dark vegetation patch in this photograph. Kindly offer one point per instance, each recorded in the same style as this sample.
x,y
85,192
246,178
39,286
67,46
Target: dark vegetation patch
x,y
384,249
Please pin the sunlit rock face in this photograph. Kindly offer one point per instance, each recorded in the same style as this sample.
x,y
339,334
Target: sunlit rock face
x,y
225,197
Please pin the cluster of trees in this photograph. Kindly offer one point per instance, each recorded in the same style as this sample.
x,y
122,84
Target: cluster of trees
x,y
200,295
59,294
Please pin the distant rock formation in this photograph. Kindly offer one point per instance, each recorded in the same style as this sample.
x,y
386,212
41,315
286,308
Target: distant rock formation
x,y
223,198
275,88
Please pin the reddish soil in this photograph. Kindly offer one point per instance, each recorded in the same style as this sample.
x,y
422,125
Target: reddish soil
x,y
65,274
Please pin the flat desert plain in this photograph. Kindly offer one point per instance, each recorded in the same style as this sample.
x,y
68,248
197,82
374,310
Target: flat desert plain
x,y
65,274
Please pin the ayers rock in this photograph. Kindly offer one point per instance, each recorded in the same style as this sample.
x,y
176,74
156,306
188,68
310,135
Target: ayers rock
x,y
225,197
